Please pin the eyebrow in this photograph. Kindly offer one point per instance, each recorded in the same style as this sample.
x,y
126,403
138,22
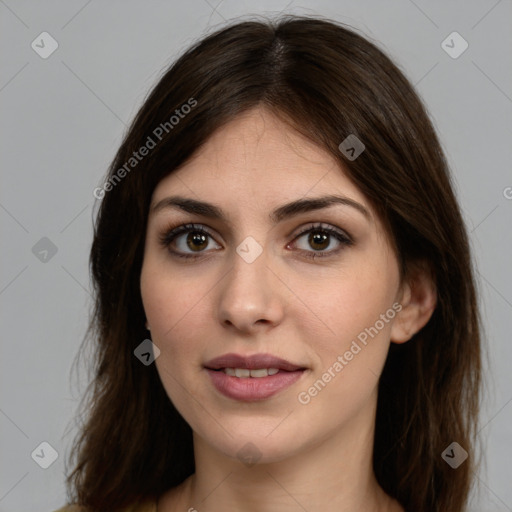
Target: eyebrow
x,y
286,211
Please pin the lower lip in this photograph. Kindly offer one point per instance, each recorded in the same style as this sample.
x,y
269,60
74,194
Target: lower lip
x,y
251,389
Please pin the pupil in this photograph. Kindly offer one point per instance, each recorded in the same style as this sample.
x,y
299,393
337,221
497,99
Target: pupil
x,y
318,239
196,241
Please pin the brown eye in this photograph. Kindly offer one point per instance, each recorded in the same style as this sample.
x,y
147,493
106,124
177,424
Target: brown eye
x,y
320,238
196,241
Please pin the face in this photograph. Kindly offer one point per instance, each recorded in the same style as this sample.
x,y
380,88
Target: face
x,y
318,288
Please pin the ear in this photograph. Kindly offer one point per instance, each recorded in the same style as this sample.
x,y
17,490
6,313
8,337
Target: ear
x,y
418,298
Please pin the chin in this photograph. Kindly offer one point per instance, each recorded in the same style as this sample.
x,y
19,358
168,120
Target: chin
x,y
258,447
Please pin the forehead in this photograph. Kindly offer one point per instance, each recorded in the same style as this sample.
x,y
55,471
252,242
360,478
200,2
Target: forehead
x,y
258,158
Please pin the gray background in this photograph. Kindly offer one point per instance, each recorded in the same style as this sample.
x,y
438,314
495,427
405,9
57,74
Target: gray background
x,y
63,118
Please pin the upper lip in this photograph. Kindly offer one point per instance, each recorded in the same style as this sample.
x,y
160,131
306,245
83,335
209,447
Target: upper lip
x,y
253,362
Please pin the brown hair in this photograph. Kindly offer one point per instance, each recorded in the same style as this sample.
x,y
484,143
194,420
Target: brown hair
x,y
327,82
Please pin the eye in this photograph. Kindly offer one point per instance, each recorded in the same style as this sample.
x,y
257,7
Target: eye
x,y
196,240
320,238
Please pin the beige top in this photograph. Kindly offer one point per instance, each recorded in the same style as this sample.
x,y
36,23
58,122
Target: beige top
x,y
148,506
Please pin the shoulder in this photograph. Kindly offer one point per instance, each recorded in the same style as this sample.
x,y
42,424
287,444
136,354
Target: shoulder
x,y
148,506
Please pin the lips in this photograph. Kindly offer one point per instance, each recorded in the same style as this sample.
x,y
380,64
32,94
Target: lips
x,y
250,389
253,362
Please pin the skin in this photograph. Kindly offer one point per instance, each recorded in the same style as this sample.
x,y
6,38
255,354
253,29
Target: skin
x,y
314,456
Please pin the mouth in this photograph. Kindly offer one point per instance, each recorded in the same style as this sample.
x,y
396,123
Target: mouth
x,y
245,373
252,378
252,362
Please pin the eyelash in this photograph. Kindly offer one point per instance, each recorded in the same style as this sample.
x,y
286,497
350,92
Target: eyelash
x,y
168,236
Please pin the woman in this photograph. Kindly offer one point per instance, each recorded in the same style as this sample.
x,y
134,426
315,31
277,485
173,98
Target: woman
x,y
286,314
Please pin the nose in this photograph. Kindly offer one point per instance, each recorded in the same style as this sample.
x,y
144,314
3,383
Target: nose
x,y
251,295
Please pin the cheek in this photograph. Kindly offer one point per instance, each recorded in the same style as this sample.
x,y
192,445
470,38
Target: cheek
x,y
175,314
165,295
351,349
343,305
351,343
175,308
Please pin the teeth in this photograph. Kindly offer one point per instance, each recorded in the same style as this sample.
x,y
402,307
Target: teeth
x,y
244,373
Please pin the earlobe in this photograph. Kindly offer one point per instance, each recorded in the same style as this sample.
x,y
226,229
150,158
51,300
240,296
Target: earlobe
x,y
419,299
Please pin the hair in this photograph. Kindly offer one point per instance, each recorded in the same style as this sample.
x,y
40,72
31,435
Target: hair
x,y
326,82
